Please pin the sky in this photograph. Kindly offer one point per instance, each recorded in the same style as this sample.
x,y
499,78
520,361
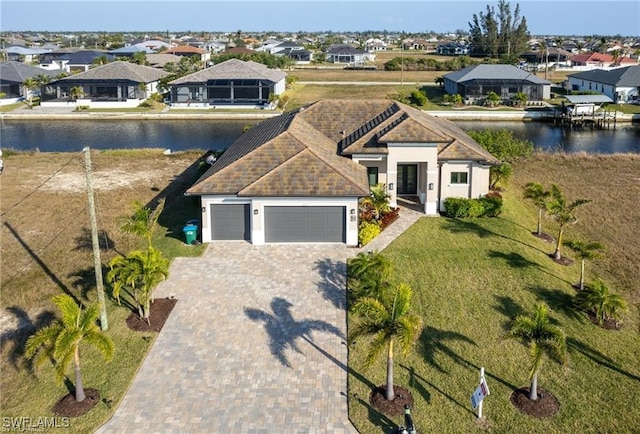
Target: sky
x,y
566,17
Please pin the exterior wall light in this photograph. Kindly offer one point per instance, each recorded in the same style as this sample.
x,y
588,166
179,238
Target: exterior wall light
x,y
204,210
390,186
255,211
352,211
431,186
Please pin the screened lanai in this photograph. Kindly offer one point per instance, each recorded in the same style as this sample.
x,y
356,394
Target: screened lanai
x,y
504,88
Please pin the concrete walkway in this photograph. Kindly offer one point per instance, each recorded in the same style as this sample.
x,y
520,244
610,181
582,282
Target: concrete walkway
x,y
255,344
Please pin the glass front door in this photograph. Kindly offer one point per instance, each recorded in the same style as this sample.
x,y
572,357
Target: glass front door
x,y
407,179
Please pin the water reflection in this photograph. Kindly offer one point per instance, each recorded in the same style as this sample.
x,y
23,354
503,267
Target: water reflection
x,y
67,136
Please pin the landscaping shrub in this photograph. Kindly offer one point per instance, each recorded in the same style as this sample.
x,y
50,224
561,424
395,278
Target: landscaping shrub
x,y
488,206
418,98
388,218
367,232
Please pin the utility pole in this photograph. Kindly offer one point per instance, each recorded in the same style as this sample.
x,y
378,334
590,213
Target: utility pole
x,y
104,324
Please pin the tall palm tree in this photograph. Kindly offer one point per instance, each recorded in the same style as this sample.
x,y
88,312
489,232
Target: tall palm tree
x,y
143,221
139,272
563,213
61,340
598,298
30,84
535,192
387,319
368,273
584,250
542,338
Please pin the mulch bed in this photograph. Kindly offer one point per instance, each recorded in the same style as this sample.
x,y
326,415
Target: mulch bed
x,y
607,324
390,408
545,406
160,310
562,261
69,407
546,237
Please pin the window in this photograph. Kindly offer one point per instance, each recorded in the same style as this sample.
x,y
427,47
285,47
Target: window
x,y
372,174
459,177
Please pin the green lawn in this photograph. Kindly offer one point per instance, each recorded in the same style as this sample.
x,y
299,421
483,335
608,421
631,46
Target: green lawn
x,y
470,279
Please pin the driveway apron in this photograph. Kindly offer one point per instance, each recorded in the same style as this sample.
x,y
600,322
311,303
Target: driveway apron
x,y
255,344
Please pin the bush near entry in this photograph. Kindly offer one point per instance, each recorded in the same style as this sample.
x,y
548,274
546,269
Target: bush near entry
x,y
488,206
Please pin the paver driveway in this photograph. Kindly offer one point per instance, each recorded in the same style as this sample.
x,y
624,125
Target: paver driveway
x,y
256,343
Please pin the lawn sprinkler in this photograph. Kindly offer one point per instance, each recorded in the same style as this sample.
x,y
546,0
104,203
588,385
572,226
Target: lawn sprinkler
x,y
409,427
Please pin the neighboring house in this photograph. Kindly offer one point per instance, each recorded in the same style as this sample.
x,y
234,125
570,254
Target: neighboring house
x,y
375,44
452,49
129,51
294,51
622,85
154,45
475,82
268,45
12,75
117,84
599,60
76,61
189,51
23,54
214,47
159,60
233,83
343,53
298,177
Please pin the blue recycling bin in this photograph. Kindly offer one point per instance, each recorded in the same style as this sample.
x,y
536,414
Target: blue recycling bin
x,y
190,233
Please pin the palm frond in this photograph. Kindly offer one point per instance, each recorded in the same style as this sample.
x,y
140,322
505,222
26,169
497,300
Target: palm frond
x,y
101,342
408,332
376,347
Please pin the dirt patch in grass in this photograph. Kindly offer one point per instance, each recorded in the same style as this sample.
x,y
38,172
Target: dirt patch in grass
x,y
546,237
160,310
69,407
545,406
394,407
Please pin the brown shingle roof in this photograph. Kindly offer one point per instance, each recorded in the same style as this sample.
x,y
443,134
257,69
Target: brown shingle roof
x,y
296,154
233,69
120,71
185,49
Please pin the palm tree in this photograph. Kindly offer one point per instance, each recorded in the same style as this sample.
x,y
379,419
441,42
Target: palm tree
x,y
584,250
143,221
61,340
30,84
563,213
598,298
378,200
535,192
387,319
368,272
139,272
100,60
76,92
542,338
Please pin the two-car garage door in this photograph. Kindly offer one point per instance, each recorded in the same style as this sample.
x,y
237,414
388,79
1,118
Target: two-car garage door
x,y
290,224
282,224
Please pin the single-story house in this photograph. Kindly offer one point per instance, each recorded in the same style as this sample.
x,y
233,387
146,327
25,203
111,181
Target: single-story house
x,y
73,61
129,51
12,76
599,60
189,51
233,83
622,85
23,54
114,85
452,49
154,45
159,60
344,53
375,44
475,82
298,177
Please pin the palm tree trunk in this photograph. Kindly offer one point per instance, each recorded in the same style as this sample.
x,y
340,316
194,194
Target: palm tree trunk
x,y
533,390
147,312
582,276
390,392
556,254
540,221
79,387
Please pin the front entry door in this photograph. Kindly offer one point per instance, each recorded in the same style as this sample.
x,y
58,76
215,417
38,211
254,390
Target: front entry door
x,y
407,179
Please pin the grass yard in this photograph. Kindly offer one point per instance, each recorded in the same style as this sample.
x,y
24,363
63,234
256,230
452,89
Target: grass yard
x,y
302,94
472,277
46,250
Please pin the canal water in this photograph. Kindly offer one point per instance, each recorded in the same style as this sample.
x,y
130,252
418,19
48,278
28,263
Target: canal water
x,y
178,135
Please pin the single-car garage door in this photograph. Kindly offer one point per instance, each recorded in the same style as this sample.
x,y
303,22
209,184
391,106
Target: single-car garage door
x,y
230,222
290,224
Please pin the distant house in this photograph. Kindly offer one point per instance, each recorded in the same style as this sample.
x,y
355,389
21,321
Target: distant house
x,y
233,83
622,85
129,51
294,51
154,45
12,75
74,61
475,82
452,49
117,84
159,60
551,55
375,44
344,53
19,53
189,51
298,177
599,60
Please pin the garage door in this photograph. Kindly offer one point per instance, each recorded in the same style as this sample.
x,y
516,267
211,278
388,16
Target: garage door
x,y
290,224
230,222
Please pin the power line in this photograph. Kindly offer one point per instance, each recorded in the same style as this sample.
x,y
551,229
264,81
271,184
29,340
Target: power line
x,y
39,186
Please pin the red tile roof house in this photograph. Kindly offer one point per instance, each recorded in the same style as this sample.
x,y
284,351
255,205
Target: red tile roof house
x,y
298,177
598,60
232,84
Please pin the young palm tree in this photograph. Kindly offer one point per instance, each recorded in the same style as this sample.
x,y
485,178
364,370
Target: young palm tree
x,y
139,272
378,200
598,298
30,84
76,92
143,221
585,250
542,338
563,213
387,319
368,272
61,340
535,192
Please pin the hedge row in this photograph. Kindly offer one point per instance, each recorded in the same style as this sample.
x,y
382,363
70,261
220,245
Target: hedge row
x,y
488,206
